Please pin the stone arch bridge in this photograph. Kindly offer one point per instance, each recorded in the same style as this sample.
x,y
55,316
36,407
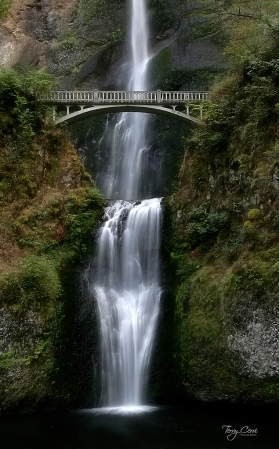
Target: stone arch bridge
x,y
79,105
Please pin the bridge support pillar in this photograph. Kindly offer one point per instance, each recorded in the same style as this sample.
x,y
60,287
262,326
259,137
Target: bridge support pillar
x,y
173,107
96,96
158,96
187,110
68,109
54,113
81,106
200,111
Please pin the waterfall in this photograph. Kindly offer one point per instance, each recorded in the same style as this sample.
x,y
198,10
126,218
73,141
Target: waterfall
x,y
126,279
128,295
127,144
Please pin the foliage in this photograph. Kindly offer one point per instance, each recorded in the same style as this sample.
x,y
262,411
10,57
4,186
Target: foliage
x,y
40,279
66,41
245,278
273,388
247,27
80,224
49,208
177,79
203,226
6,360
21,112
90,9
11,291
4,8
41,350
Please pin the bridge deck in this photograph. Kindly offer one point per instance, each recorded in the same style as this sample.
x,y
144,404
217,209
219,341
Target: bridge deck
x,y
116,97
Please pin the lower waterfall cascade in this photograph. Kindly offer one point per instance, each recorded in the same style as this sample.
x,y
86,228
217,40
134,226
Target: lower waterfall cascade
x,y
128,292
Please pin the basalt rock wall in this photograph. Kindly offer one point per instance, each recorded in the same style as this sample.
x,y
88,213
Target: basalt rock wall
x,y
84,43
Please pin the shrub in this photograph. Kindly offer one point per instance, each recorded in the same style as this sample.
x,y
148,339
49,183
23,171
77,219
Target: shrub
x,y
19,106
205,226
6,359
40,278
84,213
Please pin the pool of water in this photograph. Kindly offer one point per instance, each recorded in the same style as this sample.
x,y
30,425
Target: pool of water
x,y
193,426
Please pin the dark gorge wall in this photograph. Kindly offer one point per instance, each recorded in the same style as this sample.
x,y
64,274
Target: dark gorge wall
x,y
49,206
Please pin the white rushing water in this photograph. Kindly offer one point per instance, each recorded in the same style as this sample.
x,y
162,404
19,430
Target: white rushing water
x,y
127,143
127,280
128,294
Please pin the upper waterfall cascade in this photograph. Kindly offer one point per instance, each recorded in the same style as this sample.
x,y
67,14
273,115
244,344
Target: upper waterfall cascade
x,y
128,143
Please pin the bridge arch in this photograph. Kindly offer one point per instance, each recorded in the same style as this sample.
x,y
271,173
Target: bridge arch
x,y
83,113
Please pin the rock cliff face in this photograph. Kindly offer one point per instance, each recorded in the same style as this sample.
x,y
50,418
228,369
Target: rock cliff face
x,y
84,43
30,29
40,302
61,37
49,206
222,244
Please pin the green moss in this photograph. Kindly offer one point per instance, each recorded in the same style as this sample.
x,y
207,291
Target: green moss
x,y
178,79
4,8
248,225
67,41
40,279
11,289
160,67
201,357
6,360
85,212
254,214
88,10
42,350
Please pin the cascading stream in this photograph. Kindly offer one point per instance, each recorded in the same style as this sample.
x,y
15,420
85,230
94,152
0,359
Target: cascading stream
x,y
127,279
128,294
127,143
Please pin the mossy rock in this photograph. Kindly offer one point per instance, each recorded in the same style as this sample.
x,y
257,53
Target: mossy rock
x,y
248,225
254,214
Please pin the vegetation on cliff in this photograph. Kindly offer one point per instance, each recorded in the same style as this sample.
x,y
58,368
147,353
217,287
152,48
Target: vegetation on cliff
x,y
4,8
49,208
223,238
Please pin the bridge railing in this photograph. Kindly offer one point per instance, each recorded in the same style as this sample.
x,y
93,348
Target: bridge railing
x,y
105,97
182,97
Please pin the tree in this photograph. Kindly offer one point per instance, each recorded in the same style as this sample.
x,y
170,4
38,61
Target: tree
x,y
249,27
